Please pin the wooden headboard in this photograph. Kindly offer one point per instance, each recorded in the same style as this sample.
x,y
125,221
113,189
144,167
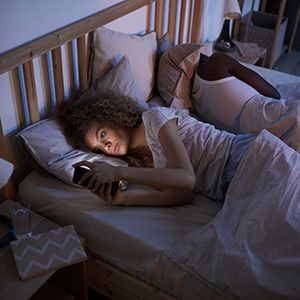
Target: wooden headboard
x,y
19,66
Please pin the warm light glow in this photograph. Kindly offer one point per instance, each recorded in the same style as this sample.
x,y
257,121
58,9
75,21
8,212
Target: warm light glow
x,y
6,169
231,9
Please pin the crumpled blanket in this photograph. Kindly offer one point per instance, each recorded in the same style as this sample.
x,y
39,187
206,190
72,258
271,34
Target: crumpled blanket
x,y
280,117
249,49
251,249
289,91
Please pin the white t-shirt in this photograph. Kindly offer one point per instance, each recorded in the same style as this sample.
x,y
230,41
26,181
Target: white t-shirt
x,y
207,147
220,101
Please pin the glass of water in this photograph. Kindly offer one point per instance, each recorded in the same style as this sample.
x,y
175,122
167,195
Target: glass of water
x,y
21,218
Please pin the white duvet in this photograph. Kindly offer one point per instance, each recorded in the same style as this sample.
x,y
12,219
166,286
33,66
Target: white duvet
x,y
251,249
280,117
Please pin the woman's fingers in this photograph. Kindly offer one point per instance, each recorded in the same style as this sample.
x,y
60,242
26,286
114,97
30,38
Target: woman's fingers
x,y
85,176
103,192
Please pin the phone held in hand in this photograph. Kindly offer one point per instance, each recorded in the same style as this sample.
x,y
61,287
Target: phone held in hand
x,y
80,171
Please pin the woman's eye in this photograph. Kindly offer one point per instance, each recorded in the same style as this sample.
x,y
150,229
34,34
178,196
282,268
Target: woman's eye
x,y
102,135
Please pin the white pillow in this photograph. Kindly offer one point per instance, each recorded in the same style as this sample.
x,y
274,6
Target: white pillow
x,y
46,143
141,52
120,81
48,147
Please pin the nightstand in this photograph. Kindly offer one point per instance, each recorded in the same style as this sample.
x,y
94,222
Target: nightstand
x,y
66,283
249,53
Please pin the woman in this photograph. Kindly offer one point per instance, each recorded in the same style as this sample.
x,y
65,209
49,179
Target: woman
x,y
188,156
236,99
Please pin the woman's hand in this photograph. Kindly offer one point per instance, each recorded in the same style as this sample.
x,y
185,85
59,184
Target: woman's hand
x,y
104,192
100,174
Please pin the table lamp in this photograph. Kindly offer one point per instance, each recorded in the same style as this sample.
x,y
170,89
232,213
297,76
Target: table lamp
x,y
231,12
6,169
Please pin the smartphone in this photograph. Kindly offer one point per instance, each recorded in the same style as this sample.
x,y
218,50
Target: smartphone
x,y
80,171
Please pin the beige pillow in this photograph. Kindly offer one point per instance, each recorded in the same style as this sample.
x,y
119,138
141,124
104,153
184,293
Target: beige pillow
x,y
119,80
175,72
140,50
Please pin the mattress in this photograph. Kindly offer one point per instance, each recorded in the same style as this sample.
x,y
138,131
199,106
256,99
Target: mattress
x,y
133,238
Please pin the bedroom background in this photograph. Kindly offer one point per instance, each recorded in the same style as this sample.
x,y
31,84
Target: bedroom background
x,y
21,22
9,116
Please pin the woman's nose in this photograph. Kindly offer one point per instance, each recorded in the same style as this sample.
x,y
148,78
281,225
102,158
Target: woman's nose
x,y
107,146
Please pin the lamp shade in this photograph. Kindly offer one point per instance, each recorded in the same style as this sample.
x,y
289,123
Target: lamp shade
x,y
6,169
231,9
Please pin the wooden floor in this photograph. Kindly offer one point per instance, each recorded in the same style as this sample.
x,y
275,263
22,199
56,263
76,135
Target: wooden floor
x,y
289,63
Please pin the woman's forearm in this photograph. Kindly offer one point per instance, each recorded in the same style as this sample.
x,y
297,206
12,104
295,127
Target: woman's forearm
x,y
260,84
169,178
157,198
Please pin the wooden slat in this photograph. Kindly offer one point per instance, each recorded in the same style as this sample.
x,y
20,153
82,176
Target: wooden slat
x,y
17,95
172,19
263,5
59,37
31,92
182,21
58,75
149,16
296,22
3,153
82,63
159,17
90,41
46,83
237,22
190,16
70,63
196,23
277,31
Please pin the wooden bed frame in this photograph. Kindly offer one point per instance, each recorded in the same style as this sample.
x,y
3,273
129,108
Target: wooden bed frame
x,y
103,277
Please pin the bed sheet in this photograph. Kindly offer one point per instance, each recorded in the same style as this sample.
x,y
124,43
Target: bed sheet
x,y
273,76
134,239
254,240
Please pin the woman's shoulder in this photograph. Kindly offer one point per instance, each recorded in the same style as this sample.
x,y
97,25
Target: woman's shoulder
x,y
155,117
166,112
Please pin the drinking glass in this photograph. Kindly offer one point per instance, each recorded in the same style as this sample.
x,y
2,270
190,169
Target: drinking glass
x,y
21,219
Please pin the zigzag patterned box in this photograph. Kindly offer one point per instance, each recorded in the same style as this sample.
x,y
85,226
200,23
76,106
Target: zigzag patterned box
x,y
47,251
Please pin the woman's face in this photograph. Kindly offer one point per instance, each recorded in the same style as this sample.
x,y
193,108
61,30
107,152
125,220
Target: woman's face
x,y
111,140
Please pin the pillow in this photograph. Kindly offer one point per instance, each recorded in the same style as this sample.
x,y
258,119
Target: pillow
x,y
175,72
119,80
140,50
163,44
48,147
46,143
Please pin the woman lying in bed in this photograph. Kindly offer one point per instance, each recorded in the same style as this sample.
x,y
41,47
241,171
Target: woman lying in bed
x,y
189,156
234,98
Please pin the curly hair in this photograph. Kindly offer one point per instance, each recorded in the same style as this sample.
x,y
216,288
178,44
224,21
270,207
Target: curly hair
x,y
76,116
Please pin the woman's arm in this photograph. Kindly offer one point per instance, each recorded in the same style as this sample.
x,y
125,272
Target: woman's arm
x,y
148,198
178,175
221,65
252,78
